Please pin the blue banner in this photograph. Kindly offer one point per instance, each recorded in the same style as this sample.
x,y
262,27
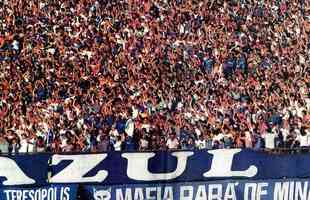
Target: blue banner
x,y
24,169
180,166
219,190
52,192
115,168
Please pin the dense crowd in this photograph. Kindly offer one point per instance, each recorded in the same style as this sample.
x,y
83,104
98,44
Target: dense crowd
x,y
105,75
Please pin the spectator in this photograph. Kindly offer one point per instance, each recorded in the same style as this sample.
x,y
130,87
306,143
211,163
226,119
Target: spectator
x,y
270,138
128,143
104,144
201,143
144,143
303,138
190,144
172,142
41,145
4,145
14,146
23,144
118,144
68,147
248,140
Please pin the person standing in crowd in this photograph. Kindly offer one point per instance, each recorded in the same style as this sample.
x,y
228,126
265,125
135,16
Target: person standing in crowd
x,y
304,138
104,144
144,143
14,146
270,140
118,144
201,143
40,145
23,144
172,142
4,145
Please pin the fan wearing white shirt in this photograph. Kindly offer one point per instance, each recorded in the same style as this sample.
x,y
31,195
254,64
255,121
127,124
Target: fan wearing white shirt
x,y
303,138
118,144
172,142
270,139
201,143
23,144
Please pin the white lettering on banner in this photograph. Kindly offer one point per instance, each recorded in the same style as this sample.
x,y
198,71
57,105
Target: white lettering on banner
x,y
222,163
44,194
201,193
119,194
222,191
38,194
13,174
255,191
215,192
64,194
80,166
247,188
260,190
281,191
150,193
299,192
158,190
186,192
138,166
293,190
168,193
138,193
7,193
218,194
221,166
230,193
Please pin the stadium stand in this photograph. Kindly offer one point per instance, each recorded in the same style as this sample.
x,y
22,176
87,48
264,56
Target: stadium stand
x,y
96,76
